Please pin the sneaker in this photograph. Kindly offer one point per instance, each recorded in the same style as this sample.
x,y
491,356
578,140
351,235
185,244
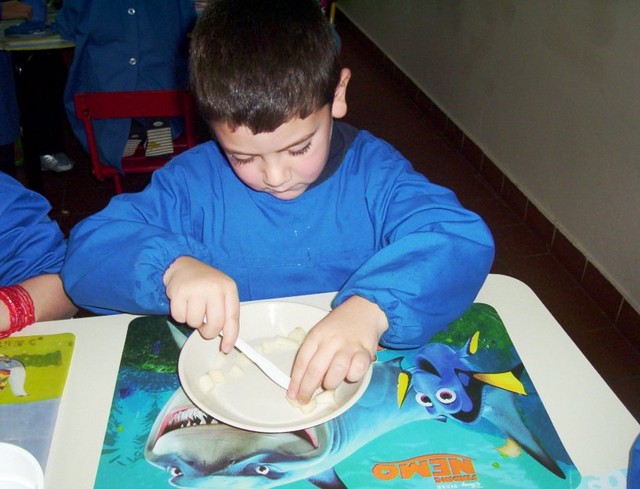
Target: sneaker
x,y
58,162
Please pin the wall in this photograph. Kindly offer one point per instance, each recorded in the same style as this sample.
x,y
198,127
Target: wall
x,y
550,91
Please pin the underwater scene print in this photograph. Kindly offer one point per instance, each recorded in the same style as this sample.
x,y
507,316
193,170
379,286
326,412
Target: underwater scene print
x,y
458,412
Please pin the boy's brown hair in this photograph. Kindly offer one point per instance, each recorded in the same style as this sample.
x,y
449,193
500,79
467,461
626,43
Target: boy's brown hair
x,y
259,63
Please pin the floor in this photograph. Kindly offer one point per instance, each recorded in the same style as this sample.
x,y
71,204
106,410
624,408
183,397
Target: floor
x,y
376,104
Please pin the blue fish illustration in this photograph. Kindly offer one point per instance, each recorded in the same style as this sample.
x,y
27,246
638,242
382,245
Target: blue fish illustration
x,y
453,384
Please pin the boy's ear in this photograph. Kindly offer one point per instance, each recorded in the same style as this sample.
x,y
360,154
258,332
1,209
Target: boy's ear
x,y
339,107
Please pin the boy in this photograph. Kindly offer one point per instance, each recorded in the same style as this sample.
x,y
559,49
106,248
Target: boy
x,y
286,202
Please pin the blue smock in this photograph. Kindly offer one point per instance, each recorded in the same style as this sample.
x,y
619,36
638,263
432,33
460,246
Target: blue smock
x,y
124,46
31,244
374,228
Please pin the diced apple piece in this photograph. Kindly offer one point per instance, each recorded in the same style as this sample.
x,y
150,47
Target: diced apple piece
x,y
205,383
309,407
284,342
217,376
327,397
236,371
219,360
305,408
297,334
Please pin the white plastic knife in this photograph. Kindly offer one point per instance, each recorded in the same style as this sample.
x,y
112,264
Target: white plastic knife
x,y
263,363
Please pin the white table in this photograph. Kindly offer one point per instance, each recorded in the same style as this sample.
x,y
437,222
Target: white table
x,y
595,427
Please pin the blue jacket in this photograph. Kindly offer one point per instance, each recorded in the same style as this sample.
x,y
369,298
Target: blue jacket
x,y
375,228
124,46
31,244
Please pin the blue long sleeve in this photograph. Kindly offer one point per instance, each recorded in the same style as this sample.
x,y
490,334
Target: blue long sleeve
x,y
432,255
375,228
31,244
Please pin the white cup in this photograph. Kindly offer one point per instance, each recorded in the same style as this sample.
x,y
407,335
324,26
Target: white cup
x,y
19,469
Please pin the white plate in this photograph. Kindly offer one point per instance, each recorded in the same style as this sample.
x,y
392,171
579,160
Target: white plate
x,y
246,398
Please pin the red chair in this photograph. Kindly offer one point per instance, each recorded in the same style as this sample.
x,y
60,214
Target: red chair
x,y
151,103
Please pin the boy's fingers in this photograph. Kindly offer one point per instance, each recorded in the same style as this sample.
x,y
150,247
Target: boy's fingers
x,y
178,312
231,324
212,322
303,357
306,390
314,376
232,318
337,372
195,313
359,365
207,331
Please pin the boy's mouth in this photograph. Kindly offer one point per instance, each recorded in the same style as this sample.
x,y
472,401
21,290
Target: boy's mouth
x,y
288,193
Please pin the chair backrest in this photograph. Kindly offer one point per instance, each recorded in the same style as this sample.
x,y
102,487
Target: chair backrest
x,y
146,103
137,104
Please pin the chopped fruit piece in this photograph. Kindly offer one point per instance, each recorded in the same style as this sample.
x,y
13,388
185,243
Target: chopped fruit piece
x,y
305,408
219,361
205,383
236,371
327,397
297,334
217,376
281,341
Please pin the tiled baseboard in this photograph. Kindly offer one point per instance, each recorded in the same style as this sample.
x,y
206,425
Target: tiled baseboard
x,y
595,284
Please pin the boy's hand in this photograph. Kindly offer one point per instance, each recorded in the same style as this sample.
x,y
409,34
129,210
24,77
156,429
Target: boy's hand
x,y
204,298
340,347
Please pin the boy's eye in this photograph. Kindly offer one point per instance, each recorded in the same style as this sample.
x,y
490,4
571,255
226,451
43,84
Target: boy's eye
x,y
301,151
241,161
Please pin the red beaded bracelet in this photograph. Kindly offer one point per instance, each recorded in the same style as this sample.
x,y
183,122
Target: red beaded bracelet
x,y
21,309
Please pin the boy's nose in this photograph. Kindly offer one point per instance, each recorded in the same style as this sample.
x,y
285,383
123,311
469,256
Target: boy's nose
x,y
276,175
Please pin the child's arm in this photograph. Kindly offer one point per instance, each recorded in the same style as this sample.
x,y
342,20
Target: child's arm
x,y
432,256
49,301
204,298
340,347
116,259
49,298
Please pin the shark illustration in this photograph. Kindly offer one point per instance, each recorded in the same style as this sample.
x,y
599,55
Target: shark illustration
x,y
197,451
452,384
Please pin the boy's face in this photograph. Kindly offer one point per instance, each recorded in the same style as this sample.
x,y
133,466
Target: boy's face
x,y
285,162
